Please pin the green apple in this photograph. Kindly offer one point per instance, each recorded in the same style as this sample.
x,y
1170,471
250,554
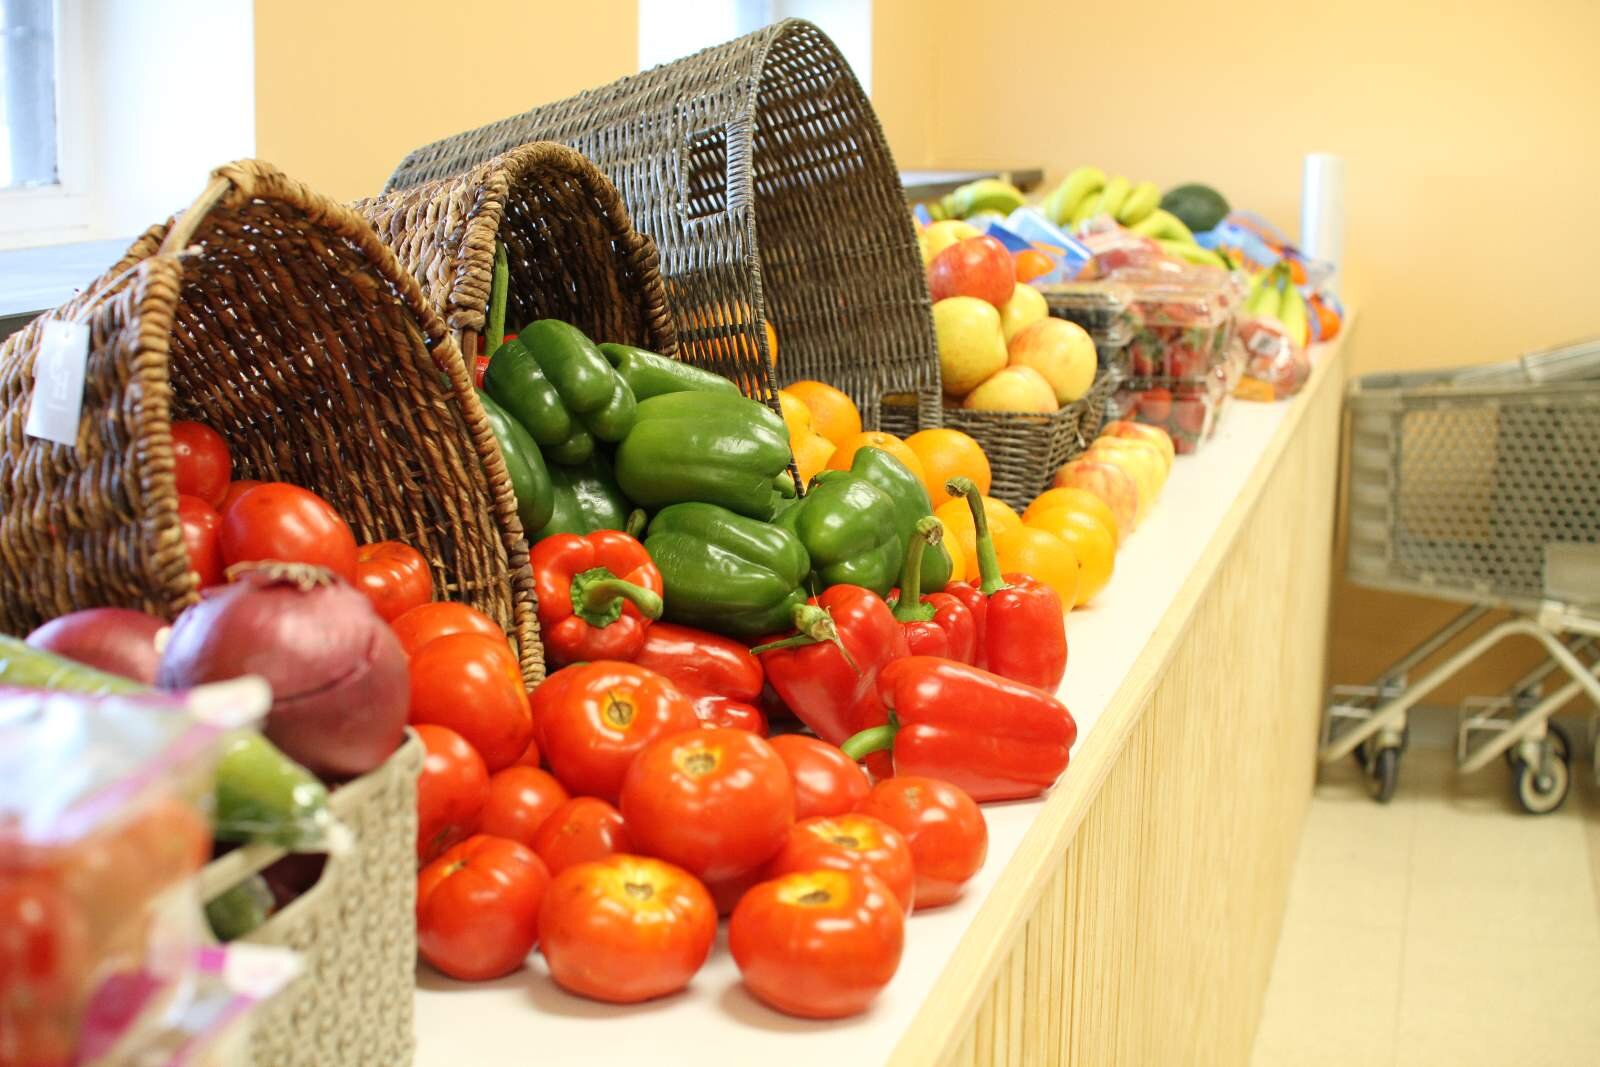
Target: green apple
x,y
971,344
1013,389
1025,308
1062,351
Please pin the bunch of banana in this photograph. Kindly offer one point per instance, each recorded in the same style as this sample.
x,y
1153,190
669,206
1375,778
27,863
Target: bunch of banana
x,y
1273,294
991,197
1086,192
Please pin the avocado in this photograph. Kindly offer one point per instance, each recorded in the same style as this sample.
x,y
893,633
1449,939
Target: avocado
x,y
1199,206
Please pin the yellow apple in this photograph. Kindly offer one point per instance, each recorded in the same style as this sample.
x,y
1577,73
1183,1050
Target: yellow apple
x,y
938,236
1014,389
1025,308
1144,470
1139,446
971,343
1062,351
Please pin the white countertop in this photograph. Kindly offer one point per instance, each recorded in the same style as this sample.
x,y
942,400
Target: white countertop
x,y
525,1018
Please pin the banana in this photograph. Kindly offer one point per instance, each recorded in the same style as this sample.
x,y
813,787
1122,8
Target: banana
x,y
1113,195
985,194
1265,298
1088,208
1163,225
1140,201
1292,313
1192,253
1077,186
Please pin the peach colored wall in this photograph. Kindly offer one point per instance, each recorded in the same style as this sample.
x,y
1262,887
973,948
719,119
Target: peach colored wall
x,y
345,88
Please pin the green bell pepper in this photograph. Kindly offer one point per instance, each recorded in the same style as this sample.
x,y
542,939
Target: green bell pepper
x,y
713,448
612,420
517,384
530,478
648,374
847,526
572,363
725,572
576,449
911,504
586,499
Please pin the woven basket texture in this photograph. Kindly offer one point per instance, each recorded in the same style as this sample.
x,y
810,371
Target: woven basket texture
x,y
1024,451
762,174
572,249
276,317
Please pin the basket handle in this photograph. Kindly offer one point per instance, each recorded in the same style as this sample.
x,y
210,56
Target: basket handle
x,y
184,229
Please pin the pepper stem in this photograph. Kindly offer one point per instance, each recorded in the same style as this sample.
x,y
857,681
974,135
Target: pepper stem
x,y
872,739
494,334
990,579
598,596
637,521
815,626
909,606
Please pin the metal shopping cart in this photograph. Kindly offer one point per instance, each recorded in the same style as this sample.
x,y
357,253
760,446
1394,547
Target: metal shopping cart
x,y
1480,486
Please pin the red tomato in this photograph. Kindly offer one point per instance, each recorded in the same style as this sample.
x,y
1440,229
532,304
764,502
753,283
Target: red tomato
x,y
818,944
394,576
201,526
727,893
201,461
944,828
581,830
520,799
236,489
451,791
440,619
826,781
44,946
593,718
530,755
276,520
852,842
626,928
478,908
717,802
472,684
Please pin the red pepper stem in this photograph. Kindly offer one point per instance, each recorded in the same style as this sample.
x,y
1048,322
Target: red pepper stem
x,y
991,581
494,334
815,626
597,597
909,606
872,739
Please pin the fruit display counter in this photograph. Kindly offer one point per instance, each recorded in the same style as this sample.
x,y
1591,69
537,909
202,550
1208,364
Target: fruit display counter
x,y
1124,916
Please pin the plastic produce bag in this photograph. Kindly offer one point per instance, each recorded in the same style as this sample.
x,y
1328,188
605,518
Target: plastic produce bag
x,y
1274,367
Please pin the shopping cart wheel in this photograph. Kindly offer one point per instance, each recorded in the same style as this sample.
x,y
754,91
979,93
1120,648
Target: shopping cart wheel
x,y
1558,737
1542,790
1383,774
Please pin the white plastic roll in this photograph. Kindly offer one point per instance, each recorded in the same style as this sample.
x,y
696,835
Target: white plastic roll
x,y
1322,211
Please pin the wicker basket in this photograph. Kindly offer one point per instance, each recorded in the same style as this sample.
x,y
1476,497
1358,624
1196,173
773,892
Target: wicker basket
x,y
278,318
762,174
355,930
573,253
1024,451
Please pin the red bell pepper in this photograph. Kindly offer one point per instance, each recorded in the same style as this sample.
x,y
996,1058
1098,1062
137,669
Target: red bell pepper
x,y
996,738
1022,629
827,673
597,594
936,624
721,678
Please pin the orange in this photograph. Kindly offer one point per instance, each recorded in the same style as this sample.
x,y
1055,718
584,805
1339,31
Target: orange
x,y
1042,556
960,534
833,414
811,454
945,454
845,454
958,560
1090,540
727,330
796,415
1030,263
772,341
1077,500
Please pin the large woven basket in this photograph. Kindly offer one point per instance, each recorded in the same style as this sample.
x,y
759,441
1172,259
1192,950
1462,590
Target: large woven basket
x,y
1024,451
573,252
275,316
762,174
355,930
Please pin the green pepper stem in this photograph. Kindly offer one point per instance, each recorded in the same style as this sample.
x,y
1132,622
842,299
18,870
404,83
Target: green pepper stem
x,y
597,597
637,520
494,334
815,626
909,606
991,581
872,739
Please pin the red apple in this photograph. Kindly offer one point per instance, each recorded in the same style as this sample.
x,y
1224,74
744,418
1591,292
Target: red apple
x,y
977,266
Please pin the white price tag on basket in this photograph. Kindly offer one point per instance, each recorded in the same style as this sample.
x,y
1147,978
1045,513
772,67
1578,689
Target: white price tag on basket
x,y
58,382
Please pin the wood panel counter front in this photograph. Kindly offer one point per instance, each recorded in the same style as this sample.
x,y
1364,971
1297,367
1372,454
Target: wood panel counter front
x,y
1129,918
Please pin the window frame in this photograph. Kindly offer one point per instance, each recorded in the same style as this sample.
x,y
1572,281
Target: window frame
x,y
65,210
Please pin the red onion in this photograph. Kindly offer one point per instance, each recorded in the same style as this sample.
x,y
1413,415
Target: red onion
x,y
338,674
118,641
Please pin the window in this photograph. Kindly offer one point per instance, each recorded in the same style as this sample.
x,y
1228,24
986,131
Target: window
x,y
672,29
27,94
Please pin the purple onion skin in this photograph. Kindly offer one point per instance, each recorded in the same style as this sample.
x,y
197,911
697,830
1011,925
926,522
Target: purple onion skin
x,y
119,641
338,674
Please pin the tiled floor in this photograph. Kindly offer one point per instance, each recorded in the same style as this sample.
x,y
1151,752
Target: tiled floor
x,y
1446,929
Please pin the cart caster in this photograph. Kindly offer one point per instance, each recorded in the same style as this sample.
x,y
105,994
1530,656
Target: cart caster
x,y
1558,737
1383,774
1541,790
